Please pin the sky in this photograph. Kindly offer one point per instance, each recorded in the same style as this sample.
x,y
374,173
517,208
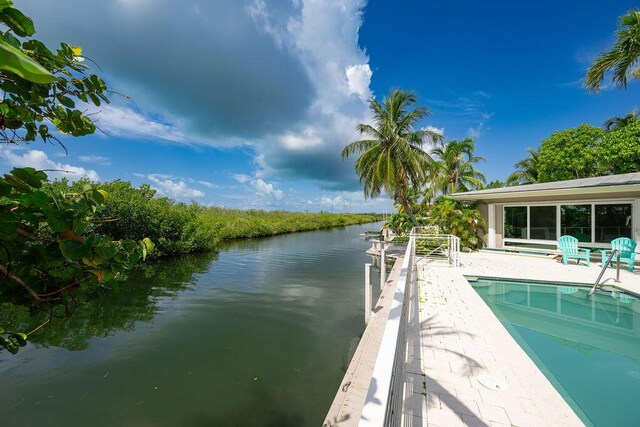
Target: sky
x,y
248,103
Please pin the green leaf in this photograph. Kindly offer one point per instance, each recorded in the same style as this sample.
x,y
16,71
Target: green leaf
x,y
106,251
72,249
15,61
22,25
19,338
8,226
148,244
5,4
66,101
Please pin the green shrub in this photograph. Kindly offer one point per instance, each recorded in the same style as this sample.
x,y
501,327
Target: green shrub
x,y
462,221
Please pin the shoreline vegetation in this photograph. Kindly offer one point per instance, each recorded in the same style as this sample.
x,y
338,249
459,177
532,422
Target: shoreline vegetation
x,y
178,228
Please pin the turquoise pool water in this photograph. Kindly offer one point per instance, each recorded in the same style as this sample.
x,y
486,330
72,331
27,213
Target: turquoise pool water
x,y
588,347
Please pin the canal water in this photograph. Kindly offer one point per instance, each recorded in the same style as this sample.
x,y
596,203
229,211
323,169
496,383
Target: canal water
x,y
258,335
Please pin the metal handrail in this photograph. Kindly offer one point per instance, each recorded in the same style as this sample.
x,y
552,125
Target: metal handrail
x,y
604,268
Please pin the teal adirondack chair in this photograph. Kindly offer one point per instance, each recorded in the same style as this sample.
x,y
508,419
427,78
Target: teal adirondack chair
x,y
569,247
627,248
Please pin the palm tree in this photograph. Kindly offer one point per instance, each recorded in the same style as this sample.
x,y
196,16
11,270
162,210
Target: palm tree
x,y
454,168
526,169
617,122
622,56
392,158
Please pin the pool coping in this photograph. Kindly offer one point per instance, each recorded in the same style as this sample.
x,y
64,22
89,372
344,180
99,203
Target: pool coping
x,y
462,339
552,283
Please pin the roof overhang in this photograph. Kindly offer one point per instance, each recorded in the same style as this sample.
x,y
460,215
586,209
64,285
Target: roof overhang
x,y
595,192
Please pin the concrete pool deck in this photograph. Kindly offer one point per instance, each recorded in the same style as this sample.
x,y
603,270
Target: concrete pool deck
x,y
471,371
543,268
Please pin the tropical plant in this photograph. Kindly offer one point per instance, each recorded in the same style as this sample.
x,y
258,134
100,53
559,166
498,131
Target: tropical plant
x,y
454,167
622,57
392,158
570,154
495,184
50,252
619,150
618,122
526,169
41,87
400,223
462,221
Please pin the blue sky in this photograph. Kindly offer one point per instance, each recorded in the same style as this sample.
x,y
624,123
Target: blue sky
x,y
248,103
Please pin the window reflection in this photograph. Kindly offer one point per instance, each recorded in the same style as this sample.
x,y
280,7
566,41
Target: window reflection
x,y
575,220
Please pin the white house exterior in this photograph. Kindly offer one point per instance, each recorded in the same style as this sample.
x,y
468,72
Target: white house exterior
x,y
594,210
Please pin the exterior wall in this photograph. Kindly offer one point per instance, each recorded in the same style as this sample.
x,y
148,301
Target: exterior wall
x,y
484,211
499,226
524,199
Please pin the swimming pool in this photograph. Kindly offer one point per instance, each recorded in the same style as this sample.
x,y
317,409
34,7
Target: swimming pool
x,y
588,347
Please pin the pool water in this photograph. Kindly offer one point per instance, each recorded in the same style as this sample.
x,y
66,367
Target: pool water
x,y
588,347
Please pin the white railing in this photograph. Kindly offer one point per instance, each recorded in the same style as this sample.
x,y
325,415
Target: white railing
x,y
384,401
383,405
438,246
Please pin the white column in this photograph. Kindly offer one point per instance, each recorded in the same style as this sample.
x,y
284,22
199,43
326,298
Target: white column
x,y
367,293
491,213
383,267
635,221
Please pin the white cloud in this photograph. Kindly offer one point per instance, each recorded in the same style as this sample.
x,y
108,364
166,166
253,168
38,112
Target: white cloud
x,y
267,189
124,121
308,47
476,132
207,184
95,159
178,189
241,178
359,79
39,160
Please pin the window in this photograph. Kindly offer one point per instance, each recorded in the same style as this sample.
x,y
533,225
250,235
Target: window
x,y
575,220
515,222
612,221
542,222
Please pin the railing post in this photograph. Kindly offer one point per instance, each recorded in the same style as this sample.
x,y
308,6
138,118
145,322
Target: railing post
x,y
383,267
367,293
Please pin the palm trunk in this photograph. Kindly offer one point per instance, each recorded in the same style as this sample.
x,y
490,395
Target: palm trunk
x,y
409,211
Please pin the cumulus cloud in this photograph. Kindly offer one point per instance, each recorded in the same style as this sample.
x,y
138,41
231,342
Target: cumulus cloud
x,y
359,79
39,160
284,77
174,188
267,189
223,76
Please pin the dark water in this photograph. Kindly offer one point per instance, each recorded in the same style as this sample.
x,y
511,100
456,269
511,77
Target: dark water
x,y
259,335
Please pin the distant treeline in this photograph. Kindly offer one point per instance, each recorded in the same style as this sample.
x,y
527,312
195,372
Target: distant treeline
x,y
180,228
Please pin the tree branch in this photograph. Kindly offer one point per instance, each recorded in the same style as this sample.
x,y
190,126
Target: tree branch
x,y
20,282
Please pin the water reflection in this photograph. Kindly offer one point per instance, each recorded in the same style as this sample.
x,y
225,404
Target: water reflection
x,y
260,335
137,301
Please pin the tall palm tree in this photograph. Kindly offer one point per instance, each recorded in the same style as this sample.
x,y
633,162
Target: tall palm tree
x,y
618,122
392,158
454,167
622,56
526,169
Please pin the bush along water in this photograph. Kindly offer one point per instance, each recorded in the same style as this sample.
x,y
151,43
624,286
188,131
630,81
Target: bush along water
x,y
52,251
180,228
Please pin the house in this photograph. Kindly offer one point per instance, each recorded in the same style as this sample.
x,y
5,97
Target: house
x,y
594,210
